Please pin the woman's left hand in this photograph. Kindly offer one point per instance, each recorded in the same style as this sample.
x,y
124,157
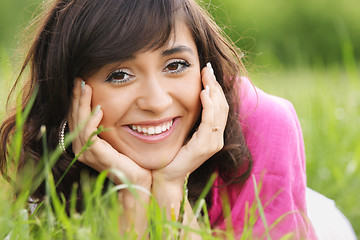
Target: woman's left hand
x,y
206,141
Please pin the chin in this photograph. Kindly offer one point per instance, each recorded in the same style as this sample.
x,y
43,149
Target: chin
x,y
154,162
154,166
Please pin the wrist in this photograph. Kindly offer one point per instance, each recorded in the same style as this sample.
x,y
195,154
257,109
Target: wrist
x,y
168,194
171,197
166,188
161,179
140,177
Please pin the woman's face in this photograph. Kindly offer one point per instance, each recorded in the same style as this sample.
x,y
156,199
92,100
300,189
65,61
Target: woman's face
x,y
151,101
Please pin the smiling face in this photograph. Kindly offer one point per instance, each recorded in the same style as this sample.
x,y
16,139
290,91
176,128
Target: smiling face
x,y
151,101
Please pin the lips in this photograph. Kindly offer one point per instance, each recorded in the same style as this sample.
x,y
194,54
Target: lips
x,y
152,129
153,132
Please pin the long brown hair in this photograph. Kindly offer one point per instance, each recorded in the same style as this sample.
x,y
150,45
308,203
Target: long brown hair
x,y
78,37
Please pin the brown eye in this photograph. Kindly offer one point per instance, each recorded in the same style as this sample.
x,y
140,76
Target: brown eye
x,y
176,66
173,66
119,76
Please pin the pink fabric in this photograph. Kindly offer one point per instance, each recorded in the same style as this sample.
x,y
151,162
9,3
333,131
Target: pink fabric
x,y
274,138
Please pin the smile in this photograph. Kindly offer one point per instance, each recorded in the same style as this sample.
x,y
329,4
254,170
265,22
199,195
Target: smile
x,y
152,130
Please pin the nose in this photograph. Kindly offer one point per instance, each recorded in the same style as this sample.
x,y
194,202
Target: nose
x,y
155,96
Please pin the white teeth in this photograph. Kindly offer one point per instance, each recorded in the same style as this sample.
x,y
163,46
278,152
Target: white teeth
x,y
152,130
157,130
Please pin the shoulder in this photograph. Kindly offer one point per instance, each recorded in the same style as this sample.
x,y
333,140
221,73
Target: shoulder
x,y
271,127
261,110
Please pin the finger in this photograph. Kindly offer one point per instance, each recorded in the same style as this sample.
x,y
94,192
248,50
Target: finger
x,y
81,115
84,106
85,115
208,79
216,94
220,110
213,123
207,116
94,121
91,126
213,117
73,116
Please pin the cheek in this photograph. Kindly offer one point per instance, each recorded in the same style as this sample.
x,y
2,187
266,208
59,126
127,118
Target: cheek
x,y
192,101
109,102
190,95
99,93
195,88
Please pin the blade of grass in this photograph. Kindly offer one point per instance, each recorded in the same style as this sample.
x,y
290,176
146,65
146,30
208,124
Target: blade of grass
x,y
260,208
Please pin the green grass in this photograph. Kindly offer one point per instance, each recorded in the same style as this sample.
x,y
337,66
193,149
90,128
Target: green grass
x,y
327,100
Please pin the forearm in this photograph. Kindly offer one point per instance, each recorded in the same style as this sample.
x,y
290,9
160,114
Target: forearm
x,y
170,197
134,217
133,201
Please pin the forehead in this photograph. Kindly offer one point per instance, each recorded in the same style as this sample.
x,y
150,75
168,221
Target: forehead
x,y
181,35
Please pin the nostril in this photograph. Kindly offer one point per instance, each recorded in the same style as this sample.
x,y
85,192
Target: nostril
x,y
155,102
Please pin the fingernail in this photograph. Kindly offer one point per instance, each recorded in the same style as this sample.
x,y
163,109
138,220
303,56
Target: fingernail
x,y
207,89
97,109
82,86
209,66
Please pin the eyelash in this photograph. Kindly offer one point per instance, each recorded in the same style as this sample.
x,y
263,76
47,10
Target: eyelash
x,y
111,77
185,64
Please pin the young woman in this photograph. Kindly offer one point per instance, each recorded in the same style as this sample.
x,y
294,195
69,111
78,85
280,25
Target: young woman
x,y
171,91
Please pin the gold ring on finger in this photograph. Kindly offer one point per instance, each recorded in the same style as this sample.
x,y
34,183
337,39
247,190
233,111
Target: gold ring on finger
x,y
215,129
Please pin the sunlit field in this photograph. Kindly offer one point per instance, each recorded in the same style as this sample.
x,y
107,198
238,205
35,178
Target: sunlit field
x,y
326,96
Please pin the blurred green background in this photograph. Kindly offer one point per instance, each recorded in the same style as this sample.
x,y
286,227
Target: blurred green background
x,y
304,50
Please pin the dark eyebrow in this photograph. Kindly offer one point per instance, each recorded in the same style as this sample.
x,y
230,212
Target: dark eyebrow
x,y
177,49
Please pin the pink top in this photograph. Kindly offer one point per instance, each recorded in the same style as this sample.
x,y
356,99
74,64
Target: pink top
x,y
274,138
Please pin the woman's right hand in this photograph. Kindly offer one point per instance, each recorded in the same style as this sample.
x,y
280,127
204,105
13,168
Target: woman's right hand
x,y
101,155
